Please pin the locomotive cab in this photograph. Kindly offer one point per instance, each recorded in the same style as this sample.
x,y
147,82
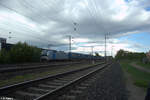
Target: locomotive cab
x,y
47,55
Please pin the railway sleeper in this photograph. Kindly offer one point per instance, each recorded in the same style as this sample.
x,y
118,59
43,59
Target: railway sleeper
x,y
44,88
62,81
65,79
47,86
23,95
73,75
67,97
68,78
75,92
37,90
79,92
55,83
81,87
84,84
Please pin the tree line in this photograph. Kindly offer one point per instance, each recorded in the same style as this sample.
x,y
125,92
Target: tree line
x,y
126,55
20,53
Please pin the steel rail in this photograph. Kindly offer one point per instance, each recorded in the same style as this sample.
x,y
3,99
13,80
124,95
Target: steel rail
x,y
5,70
58,91
2,89
9,89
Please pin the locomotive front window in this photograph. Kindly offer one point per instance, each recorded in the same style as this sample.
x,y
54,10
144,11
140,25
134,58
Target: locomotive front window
x,y
44,53
48,53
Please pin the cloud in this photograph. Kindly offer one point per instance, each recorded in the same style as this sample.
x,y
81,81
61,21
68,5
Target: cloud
x,y
51,21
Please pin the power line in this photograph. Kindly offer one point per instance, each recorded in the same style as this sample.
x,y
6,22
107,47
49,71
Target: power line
x,y
15,11
19,14
48,4
37,38
25,15
29,35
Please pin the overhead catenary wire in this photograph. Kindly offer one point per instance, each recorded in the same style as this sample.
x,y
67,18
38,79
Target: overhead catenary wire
x,y
31,10
25,33
39,38
16,11
92,13
96,10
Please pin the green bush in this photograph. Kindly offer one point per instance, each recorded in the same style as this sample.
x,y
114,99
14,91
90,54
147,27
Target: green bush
x,y
141,83
4,56
126,55
20,52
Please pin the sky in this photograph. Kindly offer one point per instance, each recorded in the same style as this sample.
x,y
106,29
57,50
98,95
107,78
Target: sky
x,y
49,23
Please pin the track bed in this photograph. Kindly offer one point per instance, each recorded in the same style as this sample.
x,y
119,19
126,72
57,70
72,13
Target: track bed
x,y
51,86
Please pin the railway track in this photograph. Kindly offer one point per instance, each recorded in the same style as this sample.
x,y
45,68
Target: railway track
x,y
29,67
52,87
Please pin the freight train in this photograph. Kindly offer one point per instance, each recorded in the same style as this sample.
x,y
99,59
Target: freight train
x,y
53,55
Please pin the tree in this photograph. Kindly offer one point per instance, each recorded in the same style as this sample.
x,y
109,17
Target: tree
x,y
20,52
97,54
121,54
4,56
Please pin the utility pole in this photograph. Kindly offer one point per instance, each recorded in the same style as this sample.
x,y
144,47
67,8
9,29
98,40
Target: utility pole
x,y
106,36
112,50
49,46
92,47
9,35
105,47
70,40
75,26
70,47
92,50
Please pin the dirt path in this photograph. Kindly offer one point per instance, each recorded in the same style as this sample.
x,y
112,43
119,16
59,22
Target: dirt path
x,y
135,93
140,67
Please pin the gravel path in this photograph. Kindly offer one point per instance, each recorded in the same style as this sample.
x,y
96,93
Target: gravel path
x,y
110,85
140,67
135,93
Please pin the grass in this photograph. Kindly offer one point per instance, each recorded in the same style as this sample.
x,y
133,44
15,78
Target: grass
x,y
31,76
144,65
140,78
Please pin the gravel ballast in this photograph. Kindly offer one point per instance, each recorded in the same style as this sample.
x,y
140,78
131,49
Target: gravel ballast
x,y
109,85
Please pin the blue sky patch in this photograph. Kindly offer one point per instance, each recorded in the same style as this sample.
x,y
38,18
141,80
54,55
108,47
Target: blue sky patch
x,y
147,8
142,38
127,0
